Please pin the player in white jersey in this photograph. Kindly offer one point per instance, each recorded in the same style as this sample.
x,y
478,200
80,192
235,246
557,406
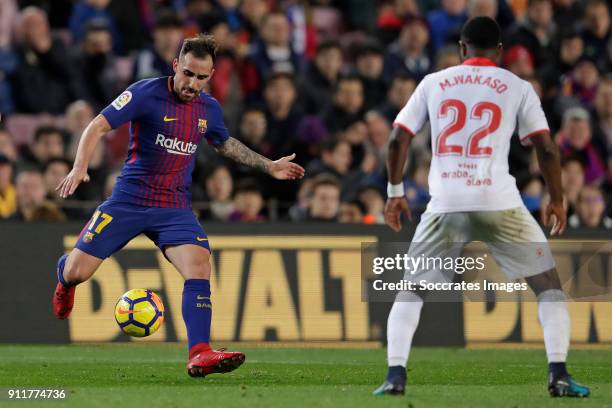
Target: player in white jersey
x,y
473,110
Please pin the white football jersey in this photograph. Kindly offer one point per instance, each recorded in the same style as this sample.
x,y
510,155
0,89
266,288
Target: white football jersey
x,y
473,110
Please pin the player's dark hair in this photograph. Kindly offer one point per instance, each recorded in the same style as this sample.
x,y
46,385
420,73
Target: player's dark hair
x,y
481,33
200,46
46,130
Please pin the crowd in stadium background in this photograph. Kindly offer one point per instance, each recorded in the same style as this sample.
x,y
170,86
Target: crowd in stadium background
x,y
324,79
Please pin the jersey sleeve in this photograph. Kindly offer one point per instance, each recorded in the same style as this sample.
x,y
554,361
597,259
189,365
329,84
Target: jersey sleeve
x,y
216,131
125,107
531,118
413,116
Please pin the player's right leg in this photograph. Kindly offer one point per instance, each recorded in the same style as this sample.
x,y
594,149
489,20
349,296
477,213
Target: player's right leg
x,y
102,236
430,240
522,251
555,321
72,269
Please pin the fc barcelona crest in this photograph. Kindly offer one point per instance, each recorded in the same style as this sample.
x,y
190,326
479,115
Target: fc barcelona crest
x,y
202,125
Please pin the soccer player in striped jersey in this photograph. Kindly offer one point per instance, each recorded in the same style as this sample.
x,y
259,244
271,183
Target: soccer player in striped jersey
x,y
168,117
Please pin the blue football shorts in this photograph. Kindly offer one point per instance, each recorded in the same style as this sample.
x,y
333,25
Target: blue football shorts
x,y
114,224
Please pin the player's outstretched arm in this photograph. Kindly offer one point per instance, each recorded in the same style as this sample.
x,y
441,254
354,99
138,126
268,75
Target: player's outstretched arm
x,y
396,159
550,165
97,128
281,169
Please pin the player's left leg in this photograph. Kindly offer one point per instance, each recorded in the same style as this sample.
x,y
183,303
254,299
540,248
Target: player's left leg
x,y
555,321
178,233
520,247
193,263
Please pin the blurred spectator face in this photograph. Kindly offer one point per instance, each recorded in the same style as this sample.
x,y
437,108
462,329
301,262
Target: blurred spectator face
x,y
519,61
228,4
590,206
572,178
219,185
597,18
401,90
35,29
30,189
109,183
223,37
356,134
370,65
249,204
275,30
253,127
54,174
7,146
378,129
329,62
253,10
373,201
454,7
167,40
447,57
571,49
578,133
540,13
99,4
47,146
350,213
98,42
537,86
325,201
339,159
414,35
487,8
78,116
349,95
280,94
6,175
603,101
586,74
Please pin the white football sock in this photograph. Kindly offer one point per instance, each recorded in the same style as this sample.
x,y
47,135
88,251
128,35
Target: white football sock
x,y
401,325
555,321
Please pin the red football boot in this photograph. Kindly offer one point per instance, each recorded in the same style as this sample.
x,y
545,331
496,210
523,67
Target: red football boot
x,y
63,300
63,297
203,360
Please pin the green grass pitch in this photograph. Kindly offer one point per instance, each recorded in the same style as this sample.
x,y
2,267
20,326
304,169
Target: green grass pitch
x,y
153,375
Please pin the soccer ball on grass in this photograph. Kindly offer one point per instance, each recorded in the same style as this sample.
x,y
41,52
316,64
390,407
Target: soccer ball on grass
x,y
139,312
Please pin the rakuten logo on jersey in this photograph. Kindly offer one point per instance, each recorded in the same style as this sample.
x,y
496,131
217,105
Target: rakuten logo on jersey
x,y
176,146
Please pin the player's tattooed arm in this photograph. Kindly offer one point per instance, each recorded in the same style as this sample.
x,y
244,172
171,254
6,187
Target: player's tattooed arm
x,y
237,151
282,169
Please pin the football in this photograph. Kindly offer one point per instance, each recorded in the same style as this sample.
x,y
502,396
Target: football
x,y
139,312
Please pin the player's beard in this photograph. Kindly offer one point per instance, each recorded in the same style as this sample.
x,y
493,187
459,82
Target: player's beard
x,y
188,94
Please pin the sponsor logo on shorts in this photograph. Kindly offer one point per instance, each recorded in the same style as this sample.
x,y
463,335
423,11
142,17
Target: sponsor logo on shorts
x,y
201,239
176,146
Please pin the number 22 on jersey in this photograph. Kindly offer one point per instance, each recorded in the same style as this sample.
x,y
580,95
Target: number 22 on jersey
x,y
444,146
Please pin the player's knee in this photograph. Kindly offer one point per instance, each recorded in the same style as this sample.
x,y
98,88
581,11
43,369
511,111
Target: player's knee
x,y
544,281
199,269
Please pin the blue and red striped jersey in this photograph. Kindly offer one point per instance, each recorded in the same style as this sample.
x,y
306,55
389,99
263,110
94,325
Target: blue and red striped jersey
x,y
164,135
